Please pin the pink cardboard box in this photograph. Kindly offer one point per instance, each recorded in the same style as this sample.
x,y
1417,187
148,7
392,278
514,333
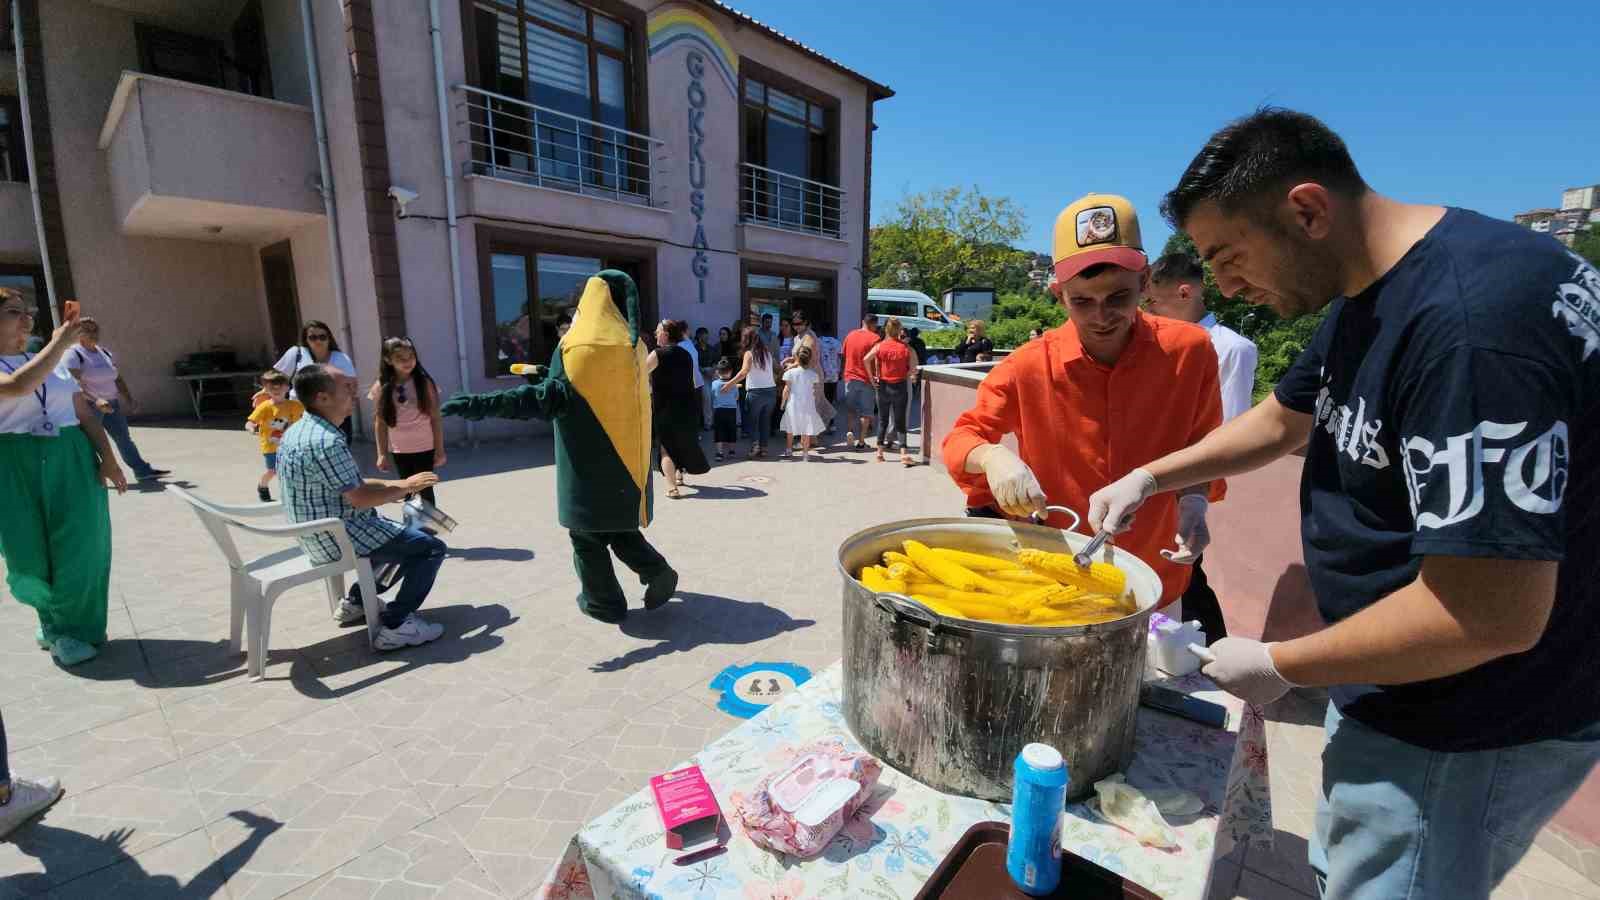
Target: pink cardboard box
x,y
688,809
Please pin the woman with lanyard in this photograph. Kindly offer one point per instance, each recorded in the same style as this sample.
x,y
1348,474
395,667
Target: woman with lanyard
x,y
54,462
317,345
96,372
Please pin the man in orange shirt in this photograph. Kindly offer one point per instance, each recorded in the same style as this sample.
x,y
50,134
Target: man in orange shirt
x,y
1109,391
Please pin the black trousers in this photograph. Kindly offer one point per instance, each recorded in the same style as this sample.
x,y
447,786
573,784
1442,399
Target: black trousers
x,y
591,556
1200,604
409,464
893,396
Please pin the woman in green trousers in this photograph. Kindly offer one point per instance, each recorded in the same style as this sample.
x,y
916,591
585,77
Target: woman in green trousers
x,y
55,461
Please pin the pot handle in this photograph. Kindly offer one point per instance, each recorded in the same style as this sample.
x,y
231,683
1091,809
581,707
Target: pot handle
x,y
901,606
1076,519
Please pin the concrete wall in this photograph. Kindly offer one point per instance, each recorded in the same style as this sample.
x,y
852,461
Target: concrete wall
x,y
209,144
286,53
19,239
364,336
156,299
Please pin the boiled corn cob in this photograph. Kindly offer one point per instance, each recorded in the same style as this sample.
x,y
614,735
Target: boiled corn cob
x,y
1020,576
1050,617
876,580
1041,596
1102,578
949,573
977,562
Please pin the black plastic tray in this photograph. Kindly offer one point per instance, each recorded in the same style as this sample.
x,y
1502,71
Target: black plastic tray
x,y
975,869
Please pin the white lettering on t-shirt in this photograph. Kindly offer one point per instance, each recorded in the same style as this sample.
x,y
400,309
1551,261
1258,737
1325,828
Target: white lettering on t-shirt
x,y
1463,458
1353,434
1578,306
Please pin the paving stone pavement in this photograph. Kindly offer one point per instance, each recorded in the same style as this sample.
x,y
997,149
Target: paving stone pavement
x,y
462,768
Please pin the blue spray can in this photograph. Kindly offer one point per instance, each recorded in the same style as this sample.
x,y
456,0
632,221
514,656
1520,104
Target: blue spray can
x,y
1038,803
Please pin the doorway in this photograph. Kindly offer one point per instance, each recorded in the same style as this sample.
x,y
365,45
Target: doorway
x,y
283,302
783,293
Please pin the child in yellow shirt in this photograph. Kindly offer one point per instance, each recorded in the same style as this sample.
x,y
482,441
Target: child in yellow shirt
x,y
271,418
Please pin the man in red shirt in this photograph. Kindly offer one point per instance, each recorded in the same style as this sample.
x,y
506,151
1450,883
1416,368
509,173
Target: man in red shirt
x,y
1090,401
859,396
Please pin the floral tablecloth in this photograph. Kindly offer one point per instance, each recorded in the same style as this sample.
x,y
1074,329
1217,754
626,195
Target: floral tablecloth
x,y
891,848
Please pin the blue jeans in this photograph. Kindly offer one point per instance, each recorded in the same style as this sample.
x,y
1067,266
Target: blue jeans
x,y
1397,821
420,555
762,403
116,425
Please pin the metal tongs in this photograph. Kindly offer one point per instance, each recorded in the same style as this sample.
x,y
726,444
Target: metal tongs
x,y
1085,556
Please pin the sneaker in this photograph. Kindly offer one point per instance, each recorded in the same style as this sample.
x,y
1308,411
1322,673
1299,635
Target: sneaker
x,y
29,797
412,632
152,474
262,492
850,438
719,456
71,651
349,613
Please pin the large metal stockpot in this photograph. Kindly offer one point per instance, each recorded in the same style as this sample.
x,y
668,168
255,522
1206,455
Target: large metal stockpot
x,y
951,702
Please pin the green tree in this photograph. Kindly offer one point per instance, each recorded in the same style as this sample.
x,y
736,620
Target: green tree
x,y
1588,244
948,238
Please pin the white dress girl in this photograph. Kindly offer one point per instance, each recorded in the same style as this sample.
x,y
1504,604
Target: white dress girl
x,y
800,415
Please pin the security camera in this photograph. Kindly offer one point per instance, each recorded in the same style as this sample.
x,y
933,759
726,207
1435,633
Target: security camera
x,y
402,197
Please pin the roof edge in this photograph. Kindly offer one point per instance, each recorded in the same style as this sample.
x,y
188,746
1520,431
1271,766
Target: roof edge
x,y
875,90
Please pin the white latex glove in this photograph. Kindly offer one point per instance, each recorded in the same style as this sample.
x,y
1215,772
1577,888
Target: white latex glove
x,y
1243,668
1112,507
1193,536
1012,483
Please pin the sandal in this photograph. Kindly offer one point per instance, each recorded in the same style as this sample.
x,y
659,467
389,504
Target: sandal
x,y
674,493
880,456
907,461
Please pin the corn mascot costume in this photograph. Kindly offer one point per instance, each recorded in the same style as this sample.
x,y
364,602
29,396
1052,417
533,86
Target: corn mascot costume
x,y
596,394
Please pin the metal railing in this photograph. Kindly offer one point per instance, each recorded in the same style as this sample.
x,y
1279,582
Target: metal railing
x,y
521,141
781,200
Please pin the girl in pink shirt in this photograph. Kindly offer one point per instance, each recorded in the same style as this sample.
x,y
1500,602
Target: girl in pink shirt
x,y
409,432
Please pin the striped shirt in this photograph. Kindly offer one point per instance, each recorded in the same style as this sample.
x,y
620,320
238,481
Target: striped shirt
x,y
316,468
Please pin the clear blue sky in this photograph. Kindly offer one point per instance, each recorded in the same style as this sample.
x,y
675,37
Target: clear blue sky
x,y
1491,106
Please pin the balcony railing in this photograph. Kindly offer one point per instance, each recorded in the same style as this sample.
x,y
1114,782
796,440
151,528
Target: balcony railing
x,y
521,141
780,200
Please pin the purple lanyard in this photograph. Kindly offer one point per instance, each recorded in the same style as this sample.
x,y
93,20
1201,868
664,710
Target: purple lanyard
x,y
42,392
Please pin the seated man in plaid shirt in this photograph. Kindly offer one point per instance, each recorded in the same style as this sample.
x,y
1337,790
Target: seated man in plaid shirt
x,y
320,480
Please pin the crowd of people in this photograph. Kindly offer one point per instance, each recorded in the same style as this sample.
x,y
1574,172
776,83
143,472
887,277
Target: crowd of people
x,y
754,383
1447,418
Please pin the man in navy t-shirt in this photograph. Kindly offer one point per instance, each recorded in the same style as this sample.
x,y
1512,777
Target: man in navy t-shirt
x,y
1450,410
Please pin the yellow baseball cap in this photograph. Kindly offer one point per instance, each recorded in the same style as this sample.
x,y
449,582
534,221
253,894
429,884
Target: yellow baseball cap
x,y
1097,228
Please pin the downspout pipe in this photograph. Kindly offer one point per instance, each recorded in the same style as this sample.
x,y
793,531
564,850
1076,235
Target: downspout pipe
x,y
33,166
452,226
325,184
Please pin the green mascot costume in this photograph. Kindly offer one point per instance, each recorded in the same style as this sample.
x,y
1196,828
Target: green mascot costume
x,y
597,396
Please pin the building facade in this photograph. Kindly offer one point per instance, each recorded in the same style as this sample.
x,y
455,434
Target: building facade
x,y
212,174
1580,211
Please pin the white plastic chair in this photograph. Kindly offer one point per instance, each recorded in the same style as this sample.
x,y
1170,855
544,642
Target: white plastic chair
x,y
257,583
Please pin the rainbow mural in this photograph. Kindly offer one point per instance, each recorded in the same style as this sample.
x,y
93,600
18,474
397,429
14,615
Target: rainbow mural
x,y
677,22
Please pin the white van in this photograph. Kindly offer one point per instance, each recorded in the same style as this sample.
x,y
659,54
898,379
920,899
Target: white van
x,y
914,309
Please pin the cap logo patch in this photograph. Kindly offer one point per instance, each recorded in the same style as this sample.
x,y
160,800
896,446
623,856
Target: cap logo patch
x,y
1097,225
